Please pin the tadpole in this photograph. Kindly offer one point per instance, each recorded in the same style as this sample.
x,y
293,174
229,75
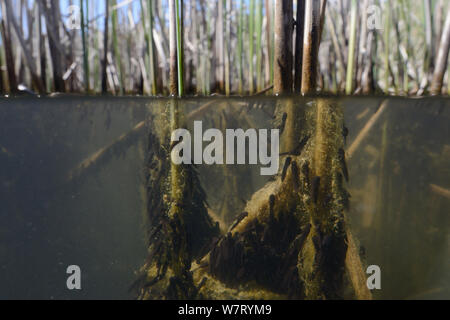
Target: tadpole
x,y
287,162
341,155
295,175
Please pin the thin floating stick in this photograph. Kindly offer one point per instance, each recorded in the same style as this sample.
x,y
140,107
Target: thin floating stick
x,y
125,140
363,133
264,90
203,108
200,110
440,191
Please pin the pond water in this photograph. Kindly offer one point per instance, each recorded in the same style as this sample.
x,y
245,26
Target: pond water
x,y
72,188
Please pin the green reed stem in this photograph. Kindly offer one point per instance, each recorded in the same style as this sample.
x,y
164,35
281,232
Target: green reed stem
x,y
351,49
179,48
250,44
387,22
239,47
85,47
258,22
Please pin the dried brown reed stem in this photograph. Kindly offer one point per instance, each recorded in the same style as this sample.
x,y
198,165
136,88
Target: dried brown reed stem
x,y
310,46
300,23
442,58
282,69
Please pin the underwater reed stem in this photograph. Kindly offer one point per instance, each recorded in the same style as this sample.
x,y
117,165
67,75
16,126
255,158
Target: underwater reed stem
x,y
355,269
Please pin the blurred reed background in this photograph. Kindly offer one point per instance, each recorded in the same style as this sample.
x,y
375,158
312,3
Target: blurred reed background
x,y
158,47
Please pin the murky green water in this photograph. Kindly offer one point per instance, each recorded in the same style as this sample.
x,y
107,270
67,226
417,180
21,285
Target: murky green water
x,y
55,212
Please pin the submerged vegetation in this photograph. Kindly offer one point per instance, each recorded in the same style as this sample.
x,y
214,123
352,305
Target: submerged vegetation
x,y
226,47
294,226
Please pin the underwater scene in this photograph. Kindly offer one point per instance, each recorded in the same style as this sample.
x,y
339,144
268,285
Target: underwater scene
x,y
225,198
